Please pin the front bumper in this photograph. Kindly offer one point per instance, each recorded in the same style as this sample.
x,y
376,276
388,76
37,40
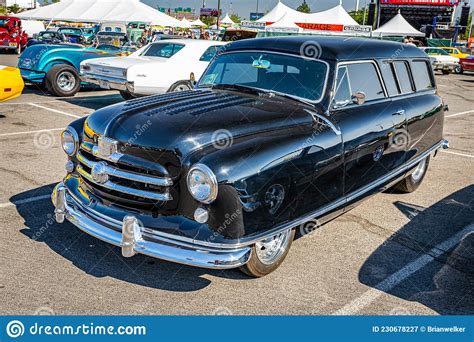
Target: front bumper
x,y
135,239
444,66
109,83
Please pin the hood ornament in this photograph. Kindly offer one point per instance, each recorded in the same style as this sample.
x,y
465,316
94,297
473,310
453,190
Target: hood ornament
x,y
106,147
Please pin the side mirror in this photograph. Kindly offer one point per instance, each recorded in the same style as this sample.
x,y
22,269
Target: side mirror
x,y
358,97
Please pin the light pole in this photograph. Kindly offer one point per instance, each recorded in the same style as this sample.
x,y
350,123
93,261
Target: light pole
x,y
218,14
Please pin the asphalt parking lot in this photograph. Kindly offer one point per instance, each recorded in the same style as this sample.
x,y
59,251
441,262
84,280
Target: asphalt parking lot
x,y
394,254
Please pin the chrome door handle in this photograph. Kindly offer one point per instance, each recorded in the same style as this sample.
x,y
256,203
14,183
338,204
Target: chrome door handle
x,y
400,112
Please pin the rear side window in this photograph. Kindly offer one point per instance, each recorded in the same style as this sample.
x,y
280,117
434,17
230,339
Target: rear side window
x,y
164,50
403,75
388,73
422,75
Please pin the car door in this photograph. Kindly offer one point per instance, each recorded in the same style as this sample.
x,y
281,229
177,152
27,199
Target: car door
x,y
368,129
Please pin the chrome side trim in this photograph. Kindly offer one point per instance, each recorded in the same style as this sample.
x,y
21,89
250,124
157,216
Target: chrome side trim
x,y
129,175
166,249
326,121
250,240
129,191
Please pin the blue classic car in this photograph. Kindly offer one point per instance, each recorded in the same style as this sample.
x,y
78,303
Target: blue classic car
x,y
57,66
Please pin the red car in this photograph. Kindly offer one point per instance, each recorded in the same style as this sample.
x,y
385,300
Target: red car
x,y
467,63
12,36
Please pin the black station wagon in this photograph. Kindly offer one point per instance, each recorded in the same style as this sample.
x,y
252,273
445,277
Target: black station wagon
x,y
277,133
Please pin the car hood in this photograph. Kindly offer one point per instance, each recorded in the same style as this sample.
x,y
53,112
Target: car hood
x,y
191,120
125,62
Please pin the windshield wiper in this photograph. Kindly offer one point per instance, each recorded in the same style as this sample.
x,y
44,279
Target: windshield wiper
x,y
239,87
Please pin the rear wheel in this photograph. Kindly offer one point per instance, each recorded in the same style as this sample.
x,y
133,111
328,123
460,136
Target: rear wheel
x,y
63,80
268,254
458,69
413,181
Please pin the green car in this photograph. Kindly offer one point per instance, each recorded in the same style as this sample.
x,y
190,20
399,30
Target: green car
x,y
135,30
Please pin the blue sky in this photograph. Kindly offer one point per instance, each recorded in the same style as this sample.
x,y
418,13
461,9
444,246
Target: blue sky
x,y
244,7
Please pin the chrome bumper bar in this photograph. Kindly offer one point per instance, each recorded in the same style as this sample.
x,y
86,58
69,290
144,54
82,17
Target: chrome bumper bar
x,y
133,240
110,83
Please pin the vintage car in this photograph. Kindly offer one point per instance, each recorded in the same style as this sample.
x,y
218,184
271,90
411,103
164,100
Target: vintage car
x,y
278,133
11,83
467,64
89,35
441,60
73,34
453,51
135,30
57,66
12,36
47,37
155,69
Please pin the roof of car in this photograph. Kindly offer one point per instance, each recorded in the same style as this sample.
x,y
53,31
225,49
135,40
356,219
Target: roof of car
x,y
191,41
334,48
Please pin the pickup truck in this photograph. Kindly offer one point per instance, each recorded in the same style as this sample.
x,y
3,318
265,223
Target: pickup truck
x,y
12,36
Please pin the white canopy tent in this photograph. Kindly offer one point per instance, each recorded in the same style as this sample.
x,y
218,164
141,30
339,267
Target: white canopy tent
x,y
185,23
198,22
99,11
227,20
284,24
336,15
397,26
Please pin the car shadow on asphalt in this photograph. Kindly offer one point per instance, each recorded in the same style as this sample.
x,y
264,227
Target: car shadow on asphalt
x,y
100,259
93,102
445,284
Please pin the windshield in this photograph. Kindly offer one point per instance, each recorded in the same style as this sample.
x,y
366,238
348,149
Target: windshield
x,y
437,52
164,50
47,35
112,38
3,22
68,31
292,75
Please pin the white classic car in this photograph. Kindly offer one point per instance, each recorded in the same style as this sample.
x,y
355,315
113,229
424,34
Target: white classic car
x,y
160,67
441,60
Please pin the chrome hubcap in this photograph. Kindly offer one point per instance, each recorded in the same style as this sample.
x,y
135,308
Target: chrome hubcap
x,y
419,171
271,249
66,81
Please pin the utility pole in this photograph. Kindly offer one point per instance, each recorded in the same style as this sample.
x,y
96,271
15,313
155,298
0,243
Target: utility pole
x,y
218,14
257,8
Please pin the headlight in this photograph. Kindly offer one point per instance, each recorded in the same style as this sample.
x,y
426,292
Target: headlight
x,y
85,67
14,35
202,183
70,141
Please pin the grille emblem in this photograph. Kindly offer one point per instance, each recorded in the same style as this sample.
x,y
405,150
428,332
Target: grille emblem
x,y
106,147
99,174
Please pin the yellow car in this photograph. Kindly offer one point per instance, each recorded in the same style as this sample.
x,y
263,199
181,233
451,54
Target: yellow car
x,y
11,83
455,52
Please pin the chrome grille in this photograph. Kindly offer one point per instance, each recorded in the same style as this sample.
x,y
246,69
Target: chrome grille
x,y
101,173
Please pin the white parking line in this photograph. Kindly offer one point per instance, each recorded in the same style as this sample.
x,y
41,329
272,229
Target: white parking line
x,y
458,154
55,110
27,200
395,279
30,132
458,114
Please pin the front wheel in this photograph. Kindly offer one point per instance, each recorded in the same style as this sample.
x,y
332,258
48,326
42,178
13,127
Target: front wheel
x,y
63,80
268,254
458,69
413,181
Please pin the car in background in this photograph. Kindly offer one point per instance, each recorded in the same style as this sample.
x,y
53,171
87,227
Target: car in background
x,y
467,64
73,34
135,30
57,66
89,35
157,68
12,36
441,60
47,37
11,83
455,52
113,27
